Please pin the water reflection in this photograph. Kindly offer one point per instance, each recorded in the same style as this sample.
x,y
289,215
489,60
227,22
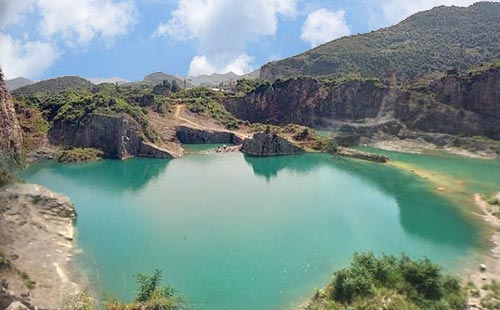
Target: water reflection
x,y
114,175
269,167
422,213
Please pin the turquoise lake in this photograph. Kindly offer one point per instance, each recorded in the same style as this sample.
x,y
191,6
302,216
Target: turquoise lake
x,y
236,232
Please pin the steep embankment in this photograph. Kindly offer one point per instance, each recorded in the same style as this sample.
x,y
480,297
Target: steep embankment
x,y
118,136
36,246
432,41
438,112
36,226
11,136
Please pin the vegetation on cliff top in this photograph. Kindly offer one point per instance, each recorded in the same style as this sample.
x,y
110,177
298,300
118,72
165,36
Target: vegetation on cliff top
x,y
76,104
391,282
438,40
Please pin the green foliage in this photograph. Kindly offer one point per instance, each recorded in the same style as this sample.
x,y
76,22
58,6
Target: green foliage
x,y
54,85
150,296
75,106
4,261
6,177
491,300
494,201
80,301
175,87
77,155
438,40
417,284
244,86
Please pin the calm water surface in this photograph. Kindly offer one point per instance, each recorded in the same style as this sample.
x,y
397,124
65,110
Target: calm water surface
x,y
236,232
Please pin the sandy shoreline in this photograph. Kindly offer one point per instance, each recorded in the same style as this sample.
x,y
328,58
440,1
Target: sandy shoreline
x,y
422,147
491,259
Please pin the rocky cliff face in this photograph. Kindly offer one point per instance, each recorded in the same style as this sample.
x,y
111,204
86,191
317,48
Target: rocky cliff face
x,y
478,92
118,136
201,136
452,106
11,136
269,144
309,102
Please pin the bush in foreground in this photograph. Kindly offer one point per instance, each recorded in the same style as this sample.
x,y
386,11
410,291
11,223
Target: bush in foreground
x,y
391,282
151,295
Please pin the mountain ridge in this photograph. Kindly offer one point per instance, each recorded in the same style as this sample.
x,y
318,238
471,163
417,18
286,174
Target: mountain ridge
x,y
428,42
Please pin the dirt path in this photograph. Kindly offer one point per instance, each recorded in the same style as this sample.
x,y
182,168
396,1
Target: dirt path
x,y
179,109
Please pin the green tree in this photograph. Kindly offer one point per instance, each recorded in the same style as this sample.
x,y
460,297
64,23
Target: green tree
x,y
175,87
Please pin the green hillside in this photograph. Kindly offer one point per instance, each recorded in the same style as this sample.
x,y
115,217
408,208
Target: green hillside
x,y
438,40
54,86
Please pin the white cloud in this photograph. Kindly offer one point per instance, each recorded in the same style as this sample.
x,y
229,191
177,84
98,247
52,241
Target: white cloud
x,y
322,26
28,59
12,11
200,66
223,28
241,65
70,22
396,10
84,20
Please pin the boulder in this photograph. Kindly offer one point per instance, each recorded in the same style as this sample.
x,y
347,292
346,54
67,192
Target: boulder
x,y
269,144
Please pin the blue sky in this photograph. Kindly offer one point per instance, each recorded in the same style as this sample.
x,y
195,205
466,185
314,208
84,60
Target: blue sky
x,y
131,38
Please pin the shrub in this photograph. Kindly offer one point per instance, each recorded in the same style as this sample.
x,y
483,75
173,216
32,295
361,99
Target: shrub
x,y
77,155
494,201
81,301
150,296
5,177
413,283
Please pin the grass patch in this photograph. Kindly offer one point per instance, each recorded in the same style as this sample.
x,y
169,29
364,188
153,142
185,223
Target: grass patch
x,y
78,155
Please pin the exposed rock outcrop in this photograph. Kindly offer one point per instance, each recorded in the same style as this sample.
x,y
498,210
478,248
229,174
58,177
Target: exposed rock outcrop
x,y
11,136
309,102
478,92
36,229
269,144
452,105
118,136
206,136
